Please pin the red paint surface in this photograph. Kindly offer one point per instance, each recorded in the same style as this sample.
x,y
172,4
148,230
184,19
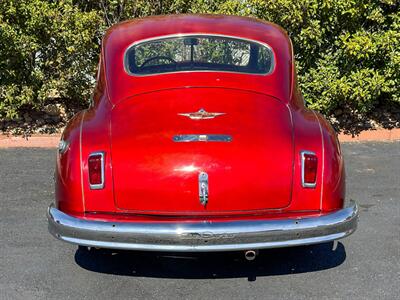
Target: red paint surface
x,y
134,119
252,172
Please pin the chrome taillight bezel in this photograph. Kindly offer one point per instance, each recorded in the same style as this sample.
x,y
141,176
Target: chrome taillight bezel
x,y
97,186
303,183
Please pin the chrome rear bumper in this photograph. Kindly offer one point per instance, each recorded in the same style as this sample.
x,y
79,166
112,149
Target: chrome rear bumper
x,y
203,236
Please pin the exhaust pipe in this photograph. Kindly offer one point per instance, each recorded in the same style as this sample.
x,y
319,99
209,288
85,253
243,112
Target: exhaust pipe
x,y
250,254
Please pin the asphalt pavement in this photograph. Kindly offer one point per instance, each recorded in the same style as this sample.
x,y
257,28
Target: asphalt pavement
x,y
366,265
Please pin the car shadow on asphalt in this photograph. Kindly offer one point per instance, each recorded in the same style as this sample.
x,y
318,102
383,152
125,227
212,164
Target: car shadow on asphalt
x,y
212,265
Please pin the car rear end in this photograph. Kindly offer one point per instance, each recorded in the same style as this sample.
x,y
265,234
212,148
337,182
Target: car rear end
x,y
198,142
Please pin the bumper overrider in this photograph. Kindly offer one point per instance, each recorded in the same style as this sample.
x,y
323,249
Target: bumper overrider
x,y
203,236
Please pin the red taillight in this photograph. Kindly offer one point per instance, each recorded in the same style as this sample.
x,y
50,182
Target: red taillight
x,y
96,170
309,163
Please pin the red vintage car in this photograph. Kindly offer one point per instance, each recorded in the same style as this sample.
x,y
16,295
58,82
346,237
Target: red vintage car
x,y
198,139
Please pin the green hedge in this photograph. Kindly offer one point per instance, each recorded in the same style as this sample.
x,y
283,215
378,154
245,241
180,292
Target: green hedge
x,y
347,51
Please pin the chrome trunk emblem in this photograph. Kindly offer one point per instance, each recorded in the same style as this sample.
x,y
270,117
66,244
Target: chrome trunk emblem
x,y
203,188
201,115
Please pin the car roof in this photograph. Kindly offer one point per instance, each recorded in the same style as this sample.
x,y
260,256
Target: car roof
x,y
119,37
153,26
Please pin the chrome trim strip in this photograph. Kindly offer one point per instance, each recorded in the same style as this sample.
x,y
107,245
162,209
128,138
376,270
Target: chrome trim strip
x,y
322,158
305,184
81,158
126,67
202,138
203,235
100,185
203,188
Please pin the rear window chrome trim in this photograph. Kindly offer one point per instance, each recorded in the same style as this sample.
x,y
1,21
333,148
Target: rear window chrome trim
x,y
126,67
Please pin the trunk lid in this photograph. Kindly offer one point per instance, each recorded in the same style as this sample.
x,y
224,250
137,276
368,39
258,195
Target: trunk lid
x,y
155,173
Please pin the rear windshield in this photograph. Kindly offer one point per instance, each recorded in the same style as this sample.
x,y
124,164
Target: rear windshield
x,y
198,53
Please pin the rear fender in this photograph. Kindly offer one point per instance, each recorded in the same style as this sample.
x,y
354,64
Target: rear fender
x,y
95,138
67,177
334,189
307,137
